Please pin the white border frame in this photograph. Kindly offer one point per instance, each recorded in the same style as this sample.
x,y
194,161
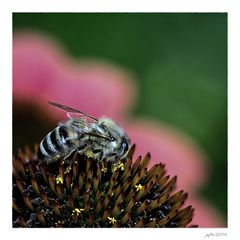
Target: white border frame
x,y
7,7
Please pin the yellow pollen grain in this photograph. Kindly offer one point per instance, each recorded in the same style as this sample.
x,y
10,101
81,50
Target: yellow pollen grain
x,y
138,187
77,211
89,154
117,166
114,168
112,220
121,166
104,169
68,169
59,180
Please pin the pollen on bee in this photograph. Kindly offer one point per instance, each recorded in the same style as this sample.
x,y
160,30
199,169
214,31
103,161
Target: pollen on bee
x,y
117,166
121,166
114,168
89,154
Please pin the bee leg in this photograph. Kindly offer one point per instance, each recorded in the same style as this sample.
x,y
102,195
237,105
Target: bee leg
x,y
68,161
81,149
98,154
111,157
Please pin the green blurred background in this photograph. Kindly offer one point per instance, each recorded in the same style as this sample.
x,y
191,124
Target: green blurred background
x,y
180,64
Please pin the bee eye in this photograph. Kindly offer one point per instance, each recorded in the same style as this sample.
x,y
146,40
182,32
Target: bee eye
x,y
124,147
124,144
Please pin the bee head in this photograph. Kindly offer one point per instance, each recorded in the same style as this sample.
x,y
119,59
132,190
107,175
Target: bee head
x,y
124,146
119,140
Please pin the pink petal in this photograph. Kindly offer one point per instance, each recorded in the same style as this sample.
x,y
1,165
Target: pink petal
x,y
180,154
34,66
42,72
95,89
204,214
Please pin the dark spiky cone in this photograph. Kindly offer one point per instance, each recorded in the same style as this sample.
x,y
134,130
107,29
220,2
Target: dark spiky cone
x,y
78,192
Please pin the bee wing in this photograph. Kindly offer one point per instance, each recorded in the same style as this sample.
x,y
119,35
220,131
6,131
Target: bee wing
x,y
81,122
82,126
73,113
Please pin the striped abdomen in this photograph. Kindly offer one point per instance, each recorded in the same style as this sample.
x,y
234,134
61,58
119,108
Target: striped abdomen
x,y
57,144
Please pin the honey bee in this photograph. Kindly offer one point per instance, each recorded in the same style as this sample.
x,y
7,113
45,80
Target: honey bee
x,y
97,138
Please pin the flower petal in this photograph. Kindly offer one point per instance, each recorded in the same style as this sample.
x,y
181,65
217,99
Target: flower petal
x,y
204,214
97,89
34,66
42,72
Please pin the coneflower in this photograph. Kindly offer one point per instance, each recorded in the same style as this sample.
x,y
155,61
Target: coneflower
x,y
79,192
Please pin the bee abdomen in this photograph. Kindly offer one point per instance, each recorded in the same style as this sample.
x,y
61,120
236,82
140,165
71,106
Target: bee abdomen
x,y
56,144
56,137
63,136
